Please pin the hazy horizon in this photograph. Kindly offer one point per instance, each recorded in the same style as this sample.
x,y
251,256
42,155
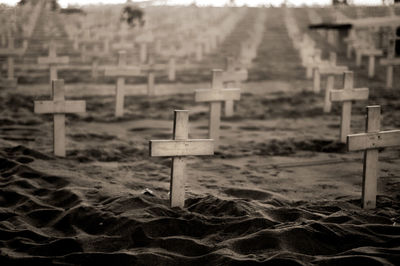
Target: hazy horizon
x,y
66,3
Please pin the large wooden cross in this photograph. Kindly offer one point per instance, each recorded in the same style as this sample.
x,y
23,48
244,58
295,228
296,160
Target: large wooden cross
x,y
53,61
10,52
215,96
59,107
371,142
346,96
234,77
390,61
121,72
178,148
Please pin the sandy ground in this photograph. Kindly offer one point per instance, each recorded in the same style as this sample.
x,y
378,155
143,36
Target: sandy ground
x,y
280,188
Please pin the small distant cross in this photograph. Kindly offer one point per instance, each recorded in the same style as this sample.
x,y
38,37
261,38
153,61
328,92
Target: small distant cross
x,y
122,71
10,52
390,61
234,77
346,96
330,70
215,96
52,60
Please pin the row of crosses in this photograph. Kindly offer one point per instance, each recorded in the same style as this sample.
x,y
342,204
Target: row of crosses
x,y
181,146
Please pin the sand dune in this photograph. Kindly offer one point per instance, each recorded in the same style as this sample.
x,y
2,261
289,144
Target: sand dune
x,y
45,219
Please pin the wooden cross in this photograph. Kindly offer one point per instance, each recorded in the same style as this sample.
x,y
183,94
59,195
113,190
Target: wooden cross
x,y
215,96
390,61
10,52
324,67
122,71
52,60
371,53
370,142
346,96
143,40
59,107
330,69
178,148
231,75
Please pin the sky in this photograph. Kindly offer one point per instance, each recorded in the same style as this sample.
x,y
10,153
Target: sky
x,y
65,3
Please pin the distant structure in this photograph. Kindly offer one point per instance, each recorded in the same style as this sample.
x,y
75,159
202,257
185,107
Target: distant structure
x,y
51,3
339,2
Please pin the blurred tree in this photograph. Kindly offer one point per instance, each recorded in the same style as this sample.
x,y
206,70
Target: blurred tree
x,y
339,2
133,15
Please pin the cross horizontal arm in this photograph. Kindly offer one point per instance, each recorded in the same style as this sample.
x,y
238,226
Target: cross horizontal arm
x,y
171,148
392,61
349,95
122,46
333,70
370,51
207,95
230,76
123,72
59,107
363,141
11,52
53,60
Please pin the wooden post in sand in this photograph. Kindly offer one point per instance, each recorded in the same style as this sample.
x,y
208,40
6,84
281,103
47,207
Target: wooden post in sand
x,y
316,75
215,96
172,68
59,107
234,77
390,62
178,148
52,61
370,142
346,96
121,72
10,52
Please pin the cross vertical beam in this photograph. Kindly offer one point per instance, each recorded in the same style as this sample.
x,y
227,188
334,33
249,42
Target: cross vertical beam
x,y
370,169
316,74
120,89
53,67
229,103
58,94
345,119
10,59
390,56
215,107
330,83
178,170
